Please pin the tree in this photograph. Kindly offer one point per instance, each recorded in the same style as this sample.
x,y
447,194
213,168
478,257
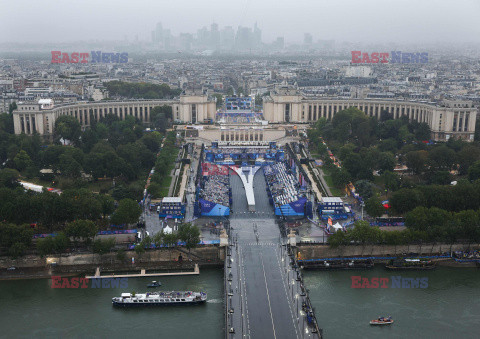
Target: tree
x,y
405,200
170,239
81,204
128,212
17,250
474,171
12,107
6,123
22,160
160,116
155,190
81,229
69,166
337,239
386,161
60,242
374,207
416,161
388,145
341,178
158,239
439,177
45,246
152,140
442,157
10,234
139,249
67,128
391,181
9,178
422,131
189,234
219,99
364,188
102,247
107,204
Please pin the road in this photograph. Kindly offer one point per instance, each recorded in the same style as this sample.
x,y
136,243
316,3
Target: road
x,y
265,297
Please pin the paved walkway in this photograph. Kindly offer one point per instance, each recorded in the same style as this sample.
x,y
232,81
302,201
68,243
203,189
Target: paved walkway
x,y
142,274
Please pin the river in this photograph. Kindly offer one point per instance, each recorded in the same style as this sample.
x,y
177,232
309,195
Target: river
x,y
449,307
32,308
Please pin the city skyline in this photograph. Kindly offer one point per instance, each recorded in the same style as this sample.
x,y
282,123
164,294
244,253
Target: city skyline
x,y
371,22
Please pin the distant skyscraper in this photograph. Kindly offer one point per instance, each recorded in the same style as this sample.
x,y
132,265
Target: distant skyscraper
x,y
227,38
279,43
157,35
244,39
257,36
307,39
211,38
214,37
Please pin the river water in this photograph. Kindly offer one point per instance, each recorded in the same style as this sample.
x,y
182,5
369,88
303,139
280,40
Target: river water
x,y
32,308
448,308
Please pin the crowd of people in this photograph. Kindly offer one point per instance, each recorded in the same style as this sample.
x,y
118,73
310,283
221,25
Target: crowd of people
x,y
216,189
282,184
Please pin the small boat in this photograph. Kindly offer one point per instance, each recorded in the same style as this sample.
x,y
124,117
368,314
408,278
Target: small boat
x,y
382,321
154,284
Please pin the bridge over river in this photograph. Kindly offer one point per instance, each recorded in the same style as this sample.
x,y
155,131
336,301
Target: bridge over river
x,y
265,296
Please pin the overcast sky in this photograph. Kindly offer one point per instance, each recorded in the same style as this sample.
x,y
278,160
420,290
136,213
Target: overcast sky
x,y
402,21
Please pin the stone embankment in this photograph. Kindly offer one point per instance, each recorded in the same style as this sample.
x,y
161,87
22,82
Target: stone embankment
x,y
72,264
320,251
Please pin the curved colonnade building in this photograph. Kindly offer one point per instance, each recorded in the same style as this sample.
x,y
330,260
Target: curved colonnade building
x,y
29,118
452,119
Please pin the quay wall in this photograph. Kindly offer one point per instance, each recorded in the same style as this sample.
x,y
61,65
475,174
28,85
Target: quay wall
x,y
36,266
318,251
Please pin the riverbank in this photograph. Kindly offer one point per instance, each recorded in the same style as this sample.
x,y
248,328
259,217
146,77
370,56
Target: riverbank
x,y
317,251
170,259
439,253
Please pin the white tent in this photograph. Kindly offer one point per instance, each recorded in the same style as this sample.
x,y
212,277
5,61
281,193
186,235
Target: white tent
x,y
167,230
337,227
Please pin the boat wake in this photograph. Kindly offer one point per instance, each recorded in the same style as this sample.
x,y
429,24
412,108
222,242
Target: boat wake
x,y
215,301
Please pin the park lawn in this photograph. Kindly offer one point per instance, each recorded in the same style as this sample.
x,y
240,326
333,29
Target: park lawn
x,y
167,180
328,179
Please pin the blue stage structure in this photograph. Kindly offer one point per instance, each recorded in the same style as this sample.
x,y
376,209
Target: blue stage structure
x,y
172,207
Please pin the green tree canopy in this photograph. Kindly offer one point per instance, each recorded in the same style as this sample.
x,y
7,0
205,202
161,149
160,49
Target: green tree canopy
x,y
374,207
81,229
67,128
128,212
190,234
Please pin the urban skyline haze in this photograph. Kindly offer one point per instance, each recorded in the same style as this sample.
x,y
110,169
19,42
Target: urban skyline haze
x,y
372,21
